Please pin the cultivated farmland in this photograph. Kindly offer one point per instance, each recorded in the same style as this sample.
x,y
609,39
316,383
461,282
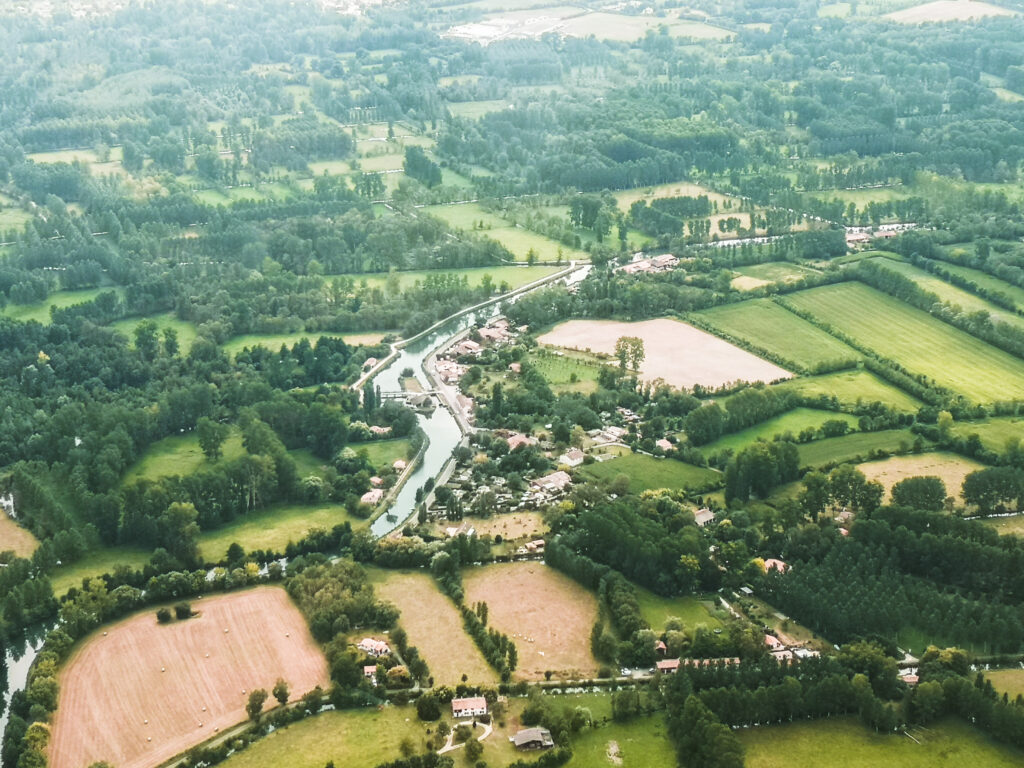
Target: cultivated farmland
x,y
676,352
988,282
434,626
166,687
773,328
852,387
649,473
792,422
917,340
548,616
949,467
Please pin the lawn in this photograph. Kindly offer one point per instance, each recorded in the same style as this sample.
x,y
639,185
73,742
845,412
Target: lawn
x,y
186,331
853,387
918,341
842,742
853,447
793,422
657,610
773,328
640,743
383,453
512,275
1008,681
273,341
988,282
179,455
14,538
40,311
97,563
272,528
648,473
951,468
548,616
434,626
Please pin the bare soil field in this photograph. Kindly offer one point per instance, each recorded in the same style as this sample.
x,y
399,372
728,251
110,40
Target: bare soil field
x,y
951,468
15,538
434,627
948,10
676,352
141,692
548,616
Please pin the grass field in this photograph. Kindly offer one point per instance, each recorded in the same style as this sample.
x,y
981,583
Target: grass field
x,y
627,197
548,616
96,563
951,468
920,342
691,611
273,341
774,272
383,453
842,742
794,422
967,301
849,447
511,526
559,370
640,743
186,331
514,276
948,10
613,26
988,282
40,311
272,528
179,455
209,669
994,433
12,218
1008,681
676,352
773,328
647,473
852,387
474,110
14,538
434,626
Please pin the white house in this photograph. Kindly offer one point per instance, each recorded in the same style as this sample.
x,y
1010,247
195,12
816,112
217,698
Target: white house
x,y
374,648
473,706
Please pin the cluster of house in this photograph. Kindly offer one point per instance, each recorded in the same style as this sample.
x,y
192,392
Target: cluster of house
x,y
608,435
671,666
650,265
908,670
858,237
375,649
375,495
778,650
571,458
496,333
534,547
527,738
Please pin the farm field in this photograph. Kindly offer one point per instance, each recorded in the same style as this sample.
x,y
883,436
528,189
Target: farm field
x,y
383,453
1008,681
96,563
850,447
274,341
691,611
434,626
852,387
16,539
775,329
179,455
208,666
994,433
772,272
793,422
272,528
40,311
842,742
920,342
640,743
514,276
988,282
948,10
531,602
676,352
951,468
649,473
966,300
186,331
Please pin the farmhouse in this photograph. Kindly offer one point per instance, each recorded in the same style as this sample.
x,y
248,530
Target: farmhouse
x,y
668,666
516,439
660,647
773,642
370,672
473,706
467,348
771,564
399,465
703,516
664,444
556,482
783,655
373,496
571,458
371,362
533,738
374,648
380,431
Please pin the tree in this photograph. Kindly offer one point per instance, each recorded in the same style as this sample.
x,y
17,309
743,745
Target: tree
x,y
163,615
629,349
474,750
212,435
920,493
815,494
145,339
183,610
254,707
427,707
281,691
170,341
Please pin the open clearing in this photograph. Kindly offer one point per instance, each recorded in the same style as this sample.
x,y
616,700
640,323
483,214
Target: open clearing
x,y
948,10
14,538
383,453
855,447
775,329
1008,681
206,667
531,602
180,455
511,275
657,610
774,272
640,743
511,526
186,331
853,387
627,197
434,626
569,372
842,742
920,342
649,473
274,341
1010,525
792,422
949,467
680,354
97,563
40,311
988,282
994,433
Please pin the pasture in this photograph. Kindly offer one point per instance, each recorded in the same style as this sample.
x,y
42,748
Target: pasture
x,y
1010,525
676,352
14,538
514,276
920,342
1008,681
179,455
855,447
951,468
167,687
853,387
650,473
40,311
775,329
639,743
792,422
548,616
988,282
96,563
383,453
186,331
273,341
842,742
434,626
657,610
568,372
948,10
771,272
